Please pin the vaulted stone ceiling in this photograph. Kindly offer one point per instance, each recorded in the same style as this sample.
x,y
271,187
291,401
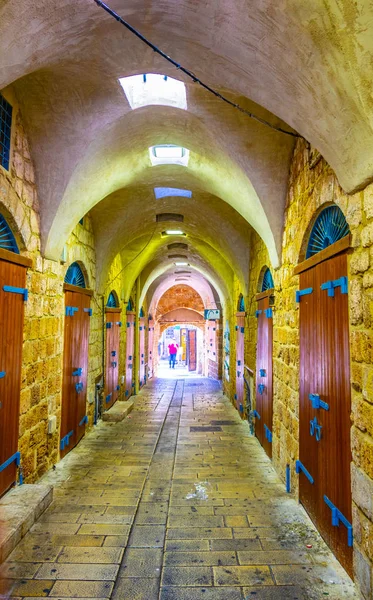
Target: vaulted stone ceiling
x,y
304,66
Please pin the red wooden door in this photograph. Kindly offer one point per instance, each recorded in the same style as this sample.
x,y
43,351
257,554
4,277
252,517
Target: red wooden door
x,y
240,336
150,349
142,376
192,349
113,325
130,345
264,396
12,277
75,368
325,402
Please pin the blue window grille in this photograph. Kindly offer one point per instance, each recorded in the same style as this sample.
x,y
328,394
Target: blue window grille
x,y
330,226
75,276
5,132
130,305
7,239
112,301
142,313
81,222
267,283
241,304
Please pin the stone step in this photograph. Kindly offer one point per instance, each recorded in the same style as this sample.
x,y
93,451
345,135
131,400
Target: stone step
x,y
20,508
118,412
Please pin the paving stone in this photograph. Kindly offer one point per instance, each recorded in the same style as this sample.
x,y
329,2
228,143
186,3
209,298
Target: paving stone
x,y
136,588
141,562
201,533
188,546
199,558
91,555
82,589
187,576
22,570
209,593
242,576
276,593
87,572
147,536
25,587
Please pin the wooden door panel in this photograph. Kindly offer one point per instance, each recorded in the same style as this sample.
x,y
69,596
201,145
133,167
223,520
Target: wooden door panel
x,y
150,349
113,325
11,327
240,334
130,329
142,377
264,395
325,370
192,349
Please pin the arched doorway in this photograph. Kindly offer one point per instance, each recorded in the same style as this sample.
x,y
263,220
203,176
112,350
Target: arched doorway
x,y
325,398
264,394
113,325
13,295
75,358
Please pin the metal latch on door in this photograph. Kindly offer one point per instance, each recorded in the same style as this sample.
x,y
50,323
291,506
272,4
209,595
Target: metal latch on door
x,y
71,310
317,402
79,387
315,429
261,388
268,433
342,282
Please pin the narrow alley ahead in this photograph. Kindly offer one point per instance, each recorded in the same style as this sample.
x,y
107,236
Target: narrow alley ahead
x,y
177,502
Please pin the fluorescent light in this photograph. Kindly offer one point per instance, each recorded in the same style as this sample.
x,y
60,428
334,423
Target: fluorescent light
x,y
174,232
169,154
165,192
152,89
181,264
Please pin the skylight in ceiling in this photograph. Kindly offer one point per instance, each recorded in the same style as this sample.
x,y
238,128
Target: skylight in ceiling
x,y
166,192
151,89
169,154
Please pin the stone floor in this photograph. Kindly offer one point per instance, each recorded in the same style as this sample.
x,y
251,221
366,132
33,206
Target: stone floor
x,y
177,502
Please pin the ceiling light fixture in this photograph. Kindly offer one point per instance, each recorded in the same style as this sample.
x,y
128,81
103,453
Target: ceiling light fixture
x,y
173,232
181,264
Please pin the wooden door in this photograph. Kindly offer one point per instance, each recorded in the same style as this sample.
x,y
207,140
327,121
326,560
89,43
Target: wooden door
x,y
75,367
264,396
325,403
12,299
240,336
150,349
142,375
192,349
113,325
130,346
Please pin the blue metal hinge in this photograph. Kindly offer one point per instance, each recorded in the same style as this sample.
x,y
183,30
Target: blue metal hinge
x,y
235,396
261,388
108,325
113,353
342,282
337,518
300,467
241,407
269,313
2,374
119,323
317,403
238,373
79,387
127,392
128,324
108,398
315,429
117,389
65,441
84,421
78,372
114,364
239,363
236,328
268,433
304,292
71,310
262,373
14,290
89,311
254,413
258,312
242,329
140,328
130,357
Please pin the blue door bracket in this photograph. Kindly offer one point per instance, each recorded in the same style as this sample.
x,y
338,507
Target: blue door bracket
x,y
78,372
79,387
338,518
258,312
119,323
84,421
113,353
65,441
108,325
300,467
255,414
117,389
262,373
14,290
315,429
261,388
2,374
108,398
268,433
89,311
269,313
317,402
114,364
300,293
71,310
342,282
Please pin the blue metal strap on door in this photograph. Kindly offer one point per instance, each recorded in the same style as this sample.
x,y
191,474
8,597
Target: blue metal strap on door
x,y
337,518
119,323
89,311
268,434
255,413
65,441
71,310
2,374
300,467
317,402
315,429
79,387
117,389
342,282
108,398
108,325
262,373
258,312
14,290
84,421
304,292
261,388
269,313
78,372
14,458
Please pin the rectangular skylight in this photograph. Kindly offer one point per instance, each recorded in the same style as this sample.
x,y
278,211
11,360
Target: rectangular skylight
x,y
173,232
181,264
168,151
165,192
169,154
152,89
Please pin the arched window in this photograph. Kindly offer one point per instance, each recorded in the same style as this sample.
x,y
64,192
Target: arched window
x,y
329,227
267,283
130,305
112,301
241,304
7,239
75,276
142,313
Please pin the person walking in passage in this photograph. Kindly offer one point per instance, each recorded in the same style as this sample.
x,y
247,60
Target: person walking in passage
x,y
172,349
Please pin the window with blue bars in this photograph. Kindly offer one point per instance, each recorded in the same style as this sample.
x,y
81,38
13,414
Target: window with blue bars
x,y
5,132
